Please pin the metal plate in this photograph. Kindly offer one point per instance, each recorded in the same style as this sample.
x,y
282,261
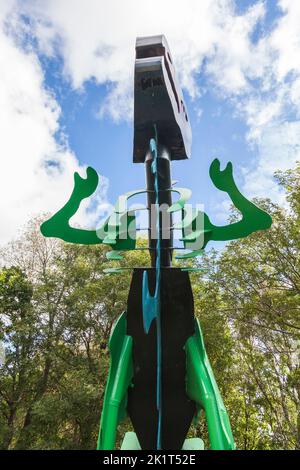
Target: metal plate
x,y
158,99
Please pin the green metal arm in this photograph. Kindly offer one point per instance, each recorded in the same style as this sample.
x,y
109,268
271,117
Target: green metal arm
x,y
58,225
198,232
253,218
119,379
202,388
118,230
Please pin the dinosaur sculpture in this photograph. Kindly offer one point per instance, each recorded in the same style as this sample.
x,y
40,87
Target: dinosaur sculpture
x,y
160,374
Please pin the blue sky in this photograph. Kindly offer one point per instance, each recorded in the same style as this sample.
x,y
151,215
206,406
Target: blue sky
x,y
69,96
107,145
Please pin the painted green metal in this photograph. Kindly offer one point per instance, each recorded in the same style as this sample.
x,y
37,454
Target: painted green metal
x,y
114,256
203,389
194,236
58,225
116,270
194,443
121,204
192,270
119,379
191,254
186,218
184,194
253,218
131,442
198,230
118,231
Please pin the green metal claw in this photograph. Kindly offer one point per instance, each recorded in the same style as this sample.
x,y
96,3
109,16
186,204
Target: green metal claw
x,y
199,230
253,218
58,225
118,231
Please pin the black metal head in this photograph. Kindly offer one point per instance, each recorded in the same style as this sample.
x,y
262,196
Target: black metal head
x,y
158,100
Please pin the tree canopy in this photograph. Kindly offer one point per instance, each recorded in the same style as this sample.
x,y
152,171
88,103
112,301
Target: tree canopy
x,y
57,308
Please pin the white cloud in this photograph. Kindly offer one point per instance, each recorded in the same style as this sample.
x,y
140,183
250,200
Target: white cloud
x,y
36,170
285,39
265,91
236,60
272,109
208,39
95,39
279,148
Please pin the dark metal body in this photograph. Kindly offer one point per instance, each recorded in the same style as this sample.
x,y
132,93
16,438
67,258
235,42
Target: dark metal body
x,y
165,201
158,100
160,114
177,325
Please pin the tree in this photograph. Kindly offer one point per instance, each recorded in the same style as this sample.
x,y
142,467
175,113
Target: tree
x,y
18,333
73,306
57,308
259,280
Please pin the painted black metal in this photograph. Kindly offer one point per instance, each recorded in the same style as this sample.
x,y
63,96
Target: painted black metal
x,y
160,113
158,100
177,320
165,201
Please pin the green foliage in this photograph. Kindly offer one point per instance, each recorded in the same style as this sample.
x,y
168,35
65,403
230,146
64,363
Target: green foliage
x,y
249,309
57,309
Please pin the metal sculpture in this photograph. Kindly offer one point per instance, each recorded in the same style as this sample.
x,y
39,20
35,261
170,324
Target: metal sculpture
x,y
159,374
